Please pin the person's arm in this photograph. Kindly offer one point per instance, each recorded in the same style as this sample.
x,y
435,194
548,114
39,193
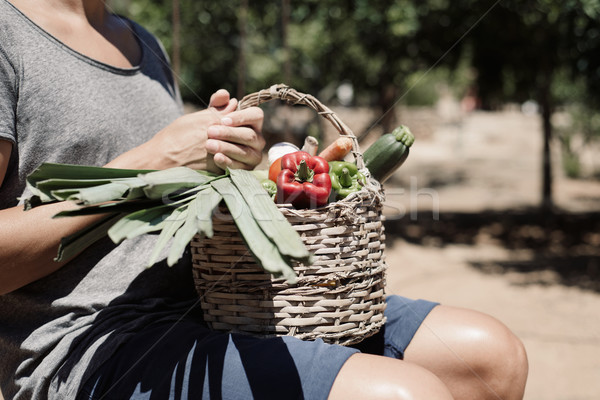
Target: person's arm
x,y
29,239
30,242
212,139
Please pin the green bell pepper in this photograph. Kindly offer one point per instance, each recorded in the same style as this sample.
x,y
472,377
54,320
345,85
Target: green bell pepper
x,y
270,187
345,178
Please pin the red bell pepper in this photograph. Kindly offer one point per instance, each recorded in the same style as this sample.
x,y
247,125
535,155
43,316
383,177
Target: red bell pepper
x,y
304,180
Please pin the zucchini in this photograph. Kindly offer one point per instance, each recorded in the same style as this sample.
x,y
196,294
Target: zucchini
x,y
388,153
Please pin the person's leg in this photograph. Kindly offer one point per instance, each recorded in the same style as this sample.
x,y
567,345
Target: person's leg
x,y
367,376
475,355
186,360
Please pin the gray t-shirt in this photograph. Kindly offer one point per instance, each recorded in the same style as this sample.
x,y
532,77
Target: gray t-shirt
x,y
57,105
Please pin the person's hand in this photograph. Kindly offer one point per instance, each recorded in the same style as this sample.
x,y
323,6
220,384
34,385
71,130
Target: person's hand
x,y
211,139
236,142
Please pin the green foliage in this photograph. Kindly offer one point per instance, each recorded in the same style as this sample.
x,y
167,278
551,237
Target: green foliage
x,y
367,43
209,41
520,45
581,129
385,47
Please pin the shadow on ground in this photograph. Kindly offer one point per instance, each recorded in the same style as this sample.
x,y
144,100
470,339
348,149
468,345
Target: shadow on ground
x,y
560,247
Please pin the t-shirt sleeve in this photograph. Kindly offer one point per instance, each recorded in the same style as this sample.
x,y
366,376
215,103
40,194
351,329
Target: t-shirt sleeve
x,y
8,98
161,56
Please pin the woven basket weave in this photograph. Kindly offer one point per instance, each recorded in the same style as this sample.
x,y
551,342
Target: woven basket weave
x,y
340,298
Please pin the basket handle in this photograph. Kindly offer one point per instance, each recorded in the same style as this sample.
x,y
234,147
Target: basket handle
x,y
292,97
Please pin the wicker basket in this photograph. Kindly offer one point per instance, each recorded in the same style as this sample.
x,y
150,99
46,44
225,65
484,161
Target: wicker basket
x,y
340,298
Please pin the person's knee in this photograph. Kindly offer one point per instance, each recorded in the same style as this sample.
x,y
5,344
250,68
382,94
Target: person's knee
x,y
366,376
473,353
504,364
515,368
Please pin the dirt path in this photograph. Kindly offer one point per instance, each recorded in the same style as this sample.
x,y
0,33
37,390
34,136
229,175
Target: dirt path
x,y
560,326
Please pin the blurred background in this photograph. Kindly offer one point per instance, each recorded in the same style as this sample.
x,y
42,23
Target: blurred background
x,y
498,205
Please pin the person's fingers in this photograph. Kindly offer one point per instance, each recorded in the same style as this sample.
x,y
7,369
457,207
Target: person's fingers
x,y
232,106
236,153
238,135
224,110
219,99
252,117
224,162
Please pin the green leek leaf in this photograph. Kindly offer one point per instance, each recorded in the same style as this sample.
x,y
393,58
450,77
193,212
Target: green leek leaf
x,y
139,222
94,194
123,206
170,226
179,202
262,248
268,216
162,183
208,199
73,244
185,234
80,172
198,221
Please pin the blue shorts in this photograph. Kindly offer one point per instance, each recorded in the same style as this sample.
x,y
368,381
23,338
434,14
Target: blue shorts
x,y
188,361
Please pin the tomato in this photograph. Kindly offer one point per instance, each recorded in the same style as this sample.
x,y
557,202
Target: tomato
x,y
275,169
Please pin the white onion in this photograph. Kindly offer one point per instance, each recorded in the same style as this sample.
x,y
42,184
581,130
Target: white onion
x,y
281,149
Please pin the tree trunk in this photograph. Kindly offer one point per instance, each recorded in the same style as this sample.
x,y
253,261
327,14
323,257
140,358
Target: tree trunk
x,y
387,102
388,96
287,61
546,113
243,20
176,49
